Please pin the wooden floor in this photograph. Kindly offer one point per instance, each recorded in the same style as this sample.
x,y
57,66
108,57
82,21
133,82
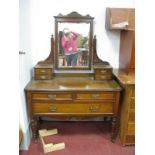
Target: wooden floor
x,y
81,138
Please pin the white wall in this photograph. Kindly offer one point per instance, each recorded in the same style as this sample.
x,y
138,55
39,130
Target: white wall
x,y
25,66
37,25
42,24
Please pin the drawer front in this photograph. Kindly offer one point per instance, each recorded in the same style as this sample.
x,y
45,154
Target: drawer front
x,y
73,108
51,96
131,129
43,76
96,96
43,71
103,74
103,71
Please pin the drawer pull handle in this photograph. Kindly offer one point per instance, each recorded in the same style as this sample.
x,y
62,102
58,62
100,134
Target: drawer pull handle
x,y
93,108
52,96
95,95
103,77
43,77
53,108
42,71
103,71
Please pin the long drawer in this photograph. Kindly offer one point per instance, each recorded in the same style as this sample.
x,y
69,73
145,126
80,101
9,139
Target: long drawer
x,y
73,108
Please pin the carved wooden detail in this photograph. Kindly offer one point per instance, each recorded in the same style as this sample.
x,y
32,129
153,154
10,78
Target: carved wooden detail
x,y
96,59
74,14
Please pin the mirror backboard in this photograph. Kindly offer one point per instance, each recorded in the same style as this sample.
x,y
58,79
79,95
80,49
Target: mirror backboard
x,y
73,41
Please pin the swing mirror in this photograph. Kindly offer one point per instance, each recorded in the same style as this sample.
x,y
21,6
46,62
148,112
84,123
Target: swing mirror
x,y
73,41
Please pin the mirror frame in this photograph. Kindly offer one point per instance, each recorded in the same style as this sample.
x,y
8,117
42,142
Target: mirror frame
x,y
73,17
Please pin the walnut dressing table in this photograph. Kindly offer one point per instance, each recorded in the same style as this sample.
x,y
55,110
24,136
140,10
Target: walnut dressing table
x,y
85,90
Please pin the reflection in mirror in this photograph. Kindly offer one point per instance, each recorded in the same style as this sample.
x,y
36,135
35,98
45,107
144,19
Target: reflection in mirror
x,y
73,44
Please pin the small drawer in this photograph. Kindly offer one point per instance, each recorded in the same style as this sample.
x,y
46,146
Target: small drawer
x,y
43,76
43,71
103,74
103,71
51,96
96,96
106,108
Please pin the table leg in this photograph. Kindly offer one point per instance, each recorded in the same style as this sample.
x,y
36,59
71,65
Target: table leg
x,y
114,129
34,127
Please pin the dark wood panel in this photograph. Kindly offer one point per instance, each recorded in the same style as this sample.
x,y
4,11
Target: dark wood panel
x,y
127,51
120,18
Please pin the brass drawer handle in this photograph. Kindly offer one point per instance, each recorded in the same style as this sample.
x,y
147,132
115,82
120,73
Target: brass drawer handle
x,y
95,95
42,71
103,71
42,77
52,96
103,77
93,108
53,108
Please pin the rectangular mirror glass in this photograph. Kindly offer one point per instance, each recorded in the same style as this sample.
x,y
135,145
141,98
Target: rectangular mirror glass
x,y
73,45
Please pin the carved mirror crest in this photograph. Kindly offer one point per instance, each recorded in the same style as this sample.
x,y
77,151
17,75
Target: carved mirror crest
x,y
73,41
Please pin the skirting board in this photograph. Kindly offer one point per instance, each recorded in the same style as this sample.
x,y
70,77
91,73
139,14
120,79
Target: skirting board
x,y
26,140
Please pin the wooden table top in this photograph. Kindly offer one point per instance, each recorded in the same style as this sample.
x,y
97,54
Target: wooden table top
x,y
73,84
124,78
